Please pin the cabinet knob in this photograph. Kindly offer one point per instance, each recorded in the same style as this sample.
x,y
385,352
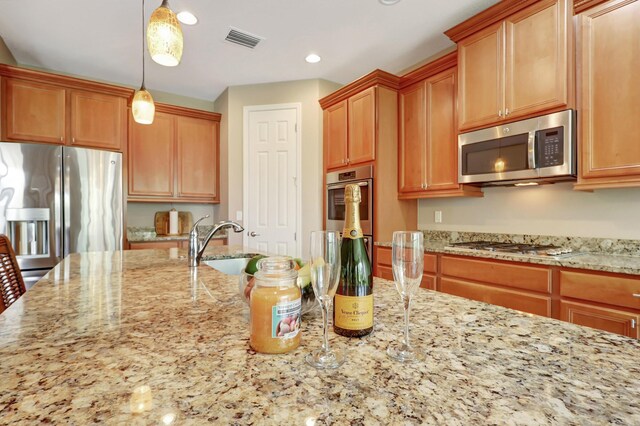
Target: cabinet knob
x,y
347,161
73,140
636,295
61,139
633,323
500,113
506,112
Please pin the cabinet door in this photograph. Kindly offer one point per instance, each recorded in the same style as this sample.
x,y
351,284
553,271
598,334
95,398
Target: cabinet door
x,y
536,59
362,127
481,68
611,320
412,144
335,135
151,153
442,136
98,120
34,112
610,91
197,148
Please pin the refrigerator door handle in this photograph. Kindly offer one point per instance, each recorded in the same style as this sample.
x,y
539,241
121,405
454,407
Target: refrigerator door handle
x,y
66,200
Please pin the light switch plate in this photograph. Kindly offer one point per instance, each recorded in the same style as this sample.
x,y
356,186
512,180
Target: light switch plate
x,y
239,215
437,216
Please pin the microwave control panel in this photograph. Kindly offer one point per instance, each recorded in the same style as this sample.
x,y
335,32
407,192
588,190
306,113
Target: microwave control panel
x,y
549,147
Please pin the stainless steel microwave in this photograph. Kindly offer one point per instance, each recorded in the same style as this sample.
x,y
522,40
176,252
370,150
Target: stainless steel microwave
x,y
541,149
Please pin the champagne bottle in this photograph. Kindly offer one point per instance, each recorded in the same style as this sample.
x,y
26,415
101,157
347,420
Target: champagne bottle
x,y
353,303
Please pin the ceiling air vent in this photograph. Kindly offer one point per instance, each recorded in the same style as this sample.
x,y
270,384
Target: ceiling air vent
x,y
243,38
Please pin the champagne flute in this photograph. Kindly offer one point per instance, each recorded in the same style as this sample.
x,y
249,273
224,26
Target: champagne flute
x,y
407,261
325,275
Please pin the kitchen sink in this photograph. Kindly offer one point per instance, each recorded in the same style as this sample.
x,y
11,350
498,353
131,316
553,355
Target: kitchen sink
x,y
233,266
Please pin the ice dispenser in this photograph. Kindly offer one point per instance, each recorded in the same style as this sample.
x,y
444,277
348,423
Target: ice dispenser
x,y
28,231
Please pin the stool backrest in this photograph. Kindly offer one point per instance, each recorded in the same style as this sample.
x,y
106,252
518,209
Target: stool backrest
x,y
11,282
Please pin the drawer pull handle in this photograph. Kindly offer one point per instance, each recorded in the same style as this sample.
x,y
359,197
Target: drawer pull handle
x,y
636,295
633,323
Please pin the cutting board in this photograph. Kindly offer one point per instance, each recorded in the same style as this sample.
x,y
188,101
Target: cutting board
x,y
161,221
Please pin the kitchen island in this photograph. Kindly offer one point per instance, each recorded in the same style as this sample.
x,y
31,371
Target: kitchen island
x,y
101,325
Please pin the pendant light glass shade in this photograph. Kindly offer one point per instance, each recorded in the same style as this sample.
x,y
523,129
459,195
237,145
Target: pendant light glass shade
x,y
164,36
142,107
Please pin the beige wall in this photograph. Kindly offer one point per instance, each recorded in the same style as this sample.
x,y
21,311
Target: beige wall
x,y
6,57
231,104
142,214
545,210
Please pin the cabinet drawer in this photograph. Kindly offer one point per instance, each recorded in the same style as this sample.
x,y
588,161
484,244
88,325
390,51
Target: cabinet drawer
x,y
385,272
383,256
533,278
611,320
610,289
428,282
521,301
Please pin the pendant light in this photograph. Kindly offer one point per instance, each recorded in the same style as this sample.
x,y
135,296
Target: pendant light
x,y
142,106
164,36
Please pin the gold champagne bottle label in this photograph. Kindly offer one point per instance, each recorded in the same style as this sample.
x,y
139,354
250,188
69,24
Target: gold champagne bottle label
x,y
353,313
352,198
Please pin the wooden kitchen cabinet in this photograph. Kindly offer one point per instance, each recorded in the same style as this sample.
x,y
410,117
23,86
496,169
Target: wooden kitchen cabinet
x,y
428,145
145,245
362,127
197,146
384,268
522,287
514,67
350,129
176,158
601,300
151,157
33,112
607,51
50,108
335,131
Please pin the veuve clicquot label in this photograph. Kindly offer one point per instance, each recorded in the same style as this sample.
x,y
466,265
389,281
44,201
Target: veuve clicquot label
x,y
353,303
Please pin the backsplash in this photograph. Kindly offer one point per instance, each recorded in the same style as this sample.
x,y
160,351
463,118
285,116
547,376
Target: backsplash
x,y
143,233
583,244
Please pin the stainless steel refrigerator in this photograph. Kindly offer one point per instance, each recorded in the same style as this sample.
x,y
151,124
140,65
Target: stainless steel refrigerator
x,y
58,200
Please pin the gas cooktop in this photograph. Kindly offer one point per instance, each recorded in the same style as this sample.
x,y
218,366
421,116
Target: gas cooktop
x,y
529,249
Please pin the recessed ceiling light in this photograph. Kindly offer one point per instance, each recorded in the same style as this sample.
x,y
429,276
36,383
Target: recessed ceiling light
x,y
312,58
187,18
389,2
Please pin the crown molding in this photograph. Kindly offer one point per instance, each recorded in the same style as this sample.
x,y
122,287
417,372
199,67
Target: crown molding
x,y
374,78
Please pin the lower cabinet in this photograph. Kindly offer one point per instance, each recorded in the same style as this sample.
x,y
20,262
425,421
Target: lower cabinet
x,y
522,287
601,300
384,268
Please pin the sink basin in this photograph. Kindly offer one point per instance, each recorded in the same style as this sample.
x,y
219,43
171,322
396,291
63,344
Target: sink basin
x,y
228,266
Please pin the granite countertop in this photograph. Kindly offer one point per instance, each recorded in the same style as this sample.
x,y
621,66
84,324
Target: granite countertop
x,y
595,261
100,325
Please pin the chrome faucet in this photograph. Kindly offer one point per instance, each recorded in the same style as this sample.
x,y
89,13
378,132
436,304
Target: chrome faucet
x,y
195,250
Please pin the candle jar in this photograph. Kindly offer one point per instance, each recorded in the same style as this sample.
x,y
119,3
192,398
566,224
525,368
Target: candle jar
x,y
275,305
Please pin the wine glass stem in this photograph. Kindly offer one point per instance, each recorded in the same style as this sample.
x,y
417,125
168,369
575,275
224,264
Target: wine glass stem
x,y
325,325
407,306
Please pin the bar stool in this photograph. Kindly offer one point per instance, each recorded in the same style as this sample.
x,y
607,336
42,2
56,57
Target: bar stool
x,y
11,283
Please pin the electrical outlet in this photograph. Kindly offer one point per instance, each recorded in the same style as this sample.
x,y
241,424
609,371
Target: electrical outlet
x,y
437,216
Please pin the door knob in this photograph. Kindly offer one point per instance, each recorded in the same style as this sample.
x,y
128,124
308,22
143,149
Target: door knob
x,y
253,234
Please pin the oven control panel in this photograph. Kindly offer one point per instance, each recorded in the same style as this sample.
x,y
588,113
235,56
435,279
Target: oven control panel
x,y
549,147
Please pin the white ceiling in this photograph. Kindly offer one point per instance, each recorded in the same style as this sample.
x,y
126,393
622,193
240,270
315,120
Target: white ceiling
x,y
102,39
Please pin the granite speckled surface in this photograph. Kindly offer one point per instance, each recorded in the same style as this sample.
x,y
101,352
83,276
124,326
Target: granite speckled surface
x,y
607,255
100,325
148,234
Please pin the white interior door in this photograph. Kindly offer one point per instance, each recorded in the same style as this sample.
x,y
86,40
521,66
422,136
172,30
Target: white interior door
x,y
271,187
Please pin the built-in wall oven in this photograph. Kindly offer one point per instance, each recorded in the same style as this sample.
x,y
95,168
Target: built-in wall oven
x,y
334,200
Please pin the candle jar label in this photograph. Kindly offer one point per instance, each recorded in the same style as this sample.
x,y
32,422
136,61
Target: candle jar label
x,y
285,319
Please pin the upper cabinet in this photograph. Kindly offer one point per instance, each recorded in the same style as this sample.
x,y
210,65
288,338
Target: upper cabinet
x,y
514,62
49,108
428,145
351,134
176,158
608,54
